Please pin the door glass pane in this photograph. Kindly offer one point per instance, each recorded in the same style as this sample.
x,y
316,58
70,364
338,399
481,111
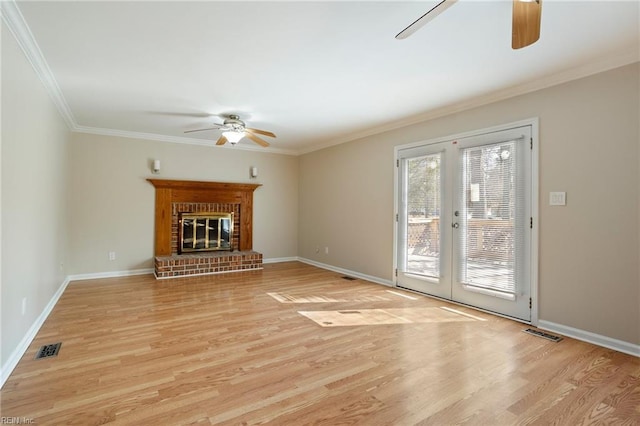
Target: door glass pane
x,y
187,234
225,233
200,230
213,233
423,215
488,216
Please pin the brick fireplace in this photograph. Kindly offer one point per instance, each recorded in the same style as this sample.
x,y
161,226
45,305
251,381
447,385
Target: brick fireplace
x,y
178,197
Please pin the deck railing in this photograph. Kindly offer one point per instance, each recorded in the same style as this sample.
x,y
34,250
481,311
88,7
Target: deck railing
x,y
487,239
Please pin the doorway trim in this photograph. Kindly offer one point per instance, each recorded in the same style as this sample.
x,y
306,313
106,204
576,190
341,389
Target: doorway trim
x,y
534,123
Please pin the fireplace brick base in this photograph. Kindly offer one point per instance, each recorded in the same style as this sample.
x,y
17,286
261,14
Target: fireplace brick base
x,y
175,266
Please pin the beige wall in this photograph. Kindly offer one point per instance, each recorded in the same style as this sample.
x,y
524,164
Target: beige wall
x,y
112,204
34,197
589,147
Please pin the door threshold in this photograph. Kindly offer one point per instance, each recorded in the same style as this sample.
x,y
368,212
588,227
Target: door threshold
x,y
486,311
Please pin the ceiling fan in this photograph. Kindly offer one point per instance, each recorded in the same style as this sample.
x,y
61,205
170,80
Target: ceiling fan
x,y
525,22
234,129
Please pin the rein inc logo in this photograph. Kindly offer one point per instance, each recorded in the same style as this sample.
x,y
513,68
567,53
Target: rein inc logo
x,y
17,421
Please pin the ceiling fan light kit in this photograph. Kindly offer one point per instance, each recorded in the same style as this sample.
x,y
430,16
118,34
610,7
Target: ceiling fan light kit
x,y
233,136
525,28
234,129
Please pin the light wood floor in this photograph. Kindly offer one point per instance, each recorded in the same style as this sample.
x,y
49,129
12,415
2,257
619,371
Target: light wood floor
x,y
233,349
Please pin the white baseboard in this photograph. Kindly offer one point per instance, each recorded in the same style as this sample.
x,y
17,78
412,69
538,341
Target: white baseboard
x,y
112,274
587,336
347,272
22,347
281,259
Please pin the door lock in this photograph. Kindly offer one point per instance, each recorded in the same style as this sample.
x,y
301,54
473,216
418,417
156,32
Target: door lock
x,y
455,225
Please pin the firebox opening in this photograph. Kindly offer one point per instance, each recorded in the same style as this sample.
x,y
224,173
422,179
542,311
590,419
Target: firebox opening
x,y
205,232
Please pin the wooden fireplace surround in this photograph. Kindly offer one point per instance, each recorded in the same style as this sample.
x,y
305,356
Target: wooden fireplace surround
x,y
184,191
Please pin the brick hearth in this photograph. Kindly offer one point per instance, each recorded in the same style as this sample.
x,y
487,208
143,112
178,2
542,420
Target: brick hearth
x,y
206,263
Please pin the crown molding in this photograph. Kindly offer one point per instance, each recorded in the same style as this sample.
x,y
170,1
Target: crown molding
x,y
18,27
176,139
627,58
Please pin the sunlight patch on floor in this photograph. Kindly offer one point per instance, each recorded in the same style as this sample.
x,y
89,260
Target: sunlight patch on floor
x,y
289,298
387,316
406,296
462,313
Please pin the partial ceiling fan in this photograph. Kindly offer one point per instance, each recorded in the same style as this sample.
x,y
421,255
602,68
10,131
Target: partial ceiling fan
x,y
234,129
525,22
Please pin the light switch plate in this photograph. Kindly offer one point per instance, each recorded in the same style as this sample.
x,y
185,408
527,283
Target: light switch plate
x,y
557,198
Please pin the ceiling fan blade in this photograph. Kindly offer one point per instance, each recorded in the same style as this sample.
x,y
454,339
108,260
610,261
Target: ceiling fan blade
x,y
222,140
260,132
217,126
256,139
525,23
421,21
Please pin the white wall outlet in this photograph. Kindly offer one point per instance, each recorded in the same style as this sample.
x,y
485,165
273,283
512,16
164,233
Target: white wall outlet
x,y
557,198
326,250
24,305
112,255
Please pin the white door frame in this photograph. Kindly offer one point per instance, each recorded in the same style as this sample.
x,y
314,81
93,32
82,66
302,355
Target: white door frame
x,y
533,122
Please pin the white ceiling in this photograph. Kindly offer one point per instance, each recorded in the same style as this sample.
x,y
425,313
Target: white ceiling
x,y
315,73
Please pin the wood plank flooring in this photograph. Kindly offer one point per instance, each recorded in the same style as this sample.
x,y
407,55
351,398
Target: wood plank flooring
x,y
222,350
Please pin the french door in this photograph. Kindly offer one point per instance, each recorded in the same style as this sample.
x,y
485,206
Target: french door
x,y
464,220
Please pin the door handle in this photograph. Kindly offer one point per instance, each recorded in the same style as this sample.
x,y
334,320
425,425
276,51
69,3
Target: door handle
x,y
455,225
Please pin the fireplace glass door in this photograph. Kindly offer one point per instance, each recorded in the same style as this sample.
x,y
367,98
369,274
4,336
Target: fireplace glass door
x,y
205,232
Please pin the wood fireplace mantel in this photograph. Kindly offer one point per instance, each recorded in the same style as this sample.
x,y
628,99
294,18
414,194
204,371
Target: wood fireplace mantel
x,y
184,191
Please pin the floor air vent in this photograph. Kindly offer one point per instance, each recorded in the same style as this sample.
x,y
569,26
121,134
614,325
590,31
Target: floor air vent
x,y
348,278
543,334
49,350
